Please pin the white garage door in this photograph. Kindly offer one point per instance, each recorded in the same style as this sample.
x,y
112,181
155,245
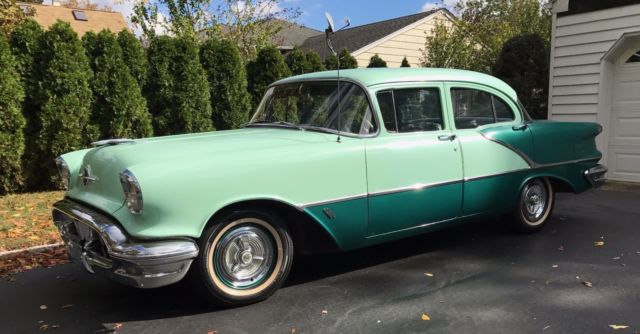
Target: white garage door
x,y
624,131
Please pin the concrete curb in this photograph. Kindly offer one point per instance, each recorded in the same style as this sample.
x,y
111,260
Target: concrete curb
x,y
34,249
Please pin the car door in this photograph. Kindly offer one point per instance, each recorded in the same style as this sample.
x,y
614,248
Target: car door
x,y
414,167
496,145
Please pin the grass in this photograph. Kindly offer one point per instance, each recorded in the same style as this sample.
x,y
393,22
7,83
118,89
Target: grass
x,y
25,220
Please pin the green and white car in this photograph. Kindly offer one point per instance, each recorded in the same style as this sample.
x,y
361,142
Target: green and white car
x,y
389,154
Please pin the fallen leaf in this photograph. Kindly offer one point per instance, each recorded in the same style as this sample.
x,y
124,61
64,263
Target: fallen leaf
x,y
44,327
546,327
117,326
212,332
616,258
67,306
293,330
618,326
428,274
587,284
554,266
43,307
325,312
598,243
561,248
425,317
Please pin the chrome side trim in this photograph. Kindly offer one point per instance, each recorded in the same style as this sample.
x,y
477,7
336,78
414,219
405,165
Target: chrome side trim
x,y
334,200
423,225
417,186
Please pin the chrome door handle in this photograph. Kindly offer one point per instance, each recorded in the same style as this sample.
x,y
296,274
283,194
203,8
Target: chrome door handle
x,y
447,137
520,127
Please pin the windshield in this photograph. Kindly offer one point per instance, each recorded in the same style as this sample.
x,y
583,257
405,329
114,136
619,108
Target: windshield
x,y
314,106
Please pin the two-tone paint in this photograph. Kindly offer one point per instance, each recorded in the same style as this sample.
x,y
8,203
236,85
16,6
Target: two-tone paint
x,y
361,190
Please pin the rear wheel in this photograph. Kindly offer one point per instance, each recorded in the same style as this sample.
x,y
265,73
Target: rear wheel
x,y
244,258
534,207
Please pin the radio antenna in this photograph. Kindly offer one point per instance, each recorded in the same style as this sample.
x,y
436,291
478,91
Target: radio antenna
x,y
330,31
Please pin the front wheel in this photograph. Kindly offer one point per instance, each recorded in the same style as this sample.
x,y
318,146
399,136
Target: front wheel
x,y
534,207
244,258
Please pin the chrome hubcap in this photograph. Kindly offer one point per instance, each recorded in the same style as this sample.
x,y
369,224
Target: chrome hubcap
x,y
244,256
534,201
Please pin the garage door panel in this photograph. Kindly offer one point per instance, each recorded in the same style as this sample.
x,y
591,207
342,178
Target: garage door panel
x,y
624,165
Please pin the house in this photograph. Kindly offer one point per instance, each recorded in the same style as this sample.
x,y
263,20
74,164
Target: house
x,y
292,35
595,76
81,20
391,39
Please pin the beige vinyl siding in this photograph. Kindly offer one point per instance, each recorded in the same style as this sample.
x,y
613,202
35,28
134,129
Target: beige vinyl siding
x,y
579,43
405,43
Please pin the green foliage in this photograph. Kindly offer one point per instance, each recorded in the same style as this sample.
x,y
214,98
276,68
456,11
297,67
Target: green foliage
x,y
177,89
405,62
376,61
119,109
11,121
346,61
63,100
230,101
524,65
315,62
475,39
297,62
11,15
269,66
134,56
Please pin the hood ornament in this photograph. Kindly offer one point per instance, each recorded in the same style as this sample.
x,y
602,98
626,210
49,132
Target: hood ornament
x,y
85,176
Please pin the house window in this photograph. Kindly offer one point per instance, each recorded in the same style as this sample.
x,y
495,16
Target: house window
x,y
80,15
635,58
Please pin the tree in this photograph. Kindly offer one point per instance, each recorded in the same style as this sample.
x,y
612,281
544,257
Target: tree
x,y
405,62
346,61
230,101
134,56
119,109
524,64
297,62
177,87
376,61
475,39
12,122
250,24
11,15
63,100
269,66
315,62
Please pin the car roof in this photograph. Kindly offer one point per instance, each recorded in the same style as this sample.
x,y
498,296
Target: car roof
x,y
376,76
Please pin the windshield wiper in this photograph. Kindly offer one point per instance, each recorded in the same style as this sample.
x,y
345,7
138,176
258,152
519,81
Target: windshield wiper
x,y
278,124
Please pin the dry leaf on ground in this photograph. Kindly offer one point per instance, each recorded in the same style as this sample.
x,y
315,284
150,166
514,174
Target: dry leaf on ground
x,y
618,326
425,317
587,284
598,243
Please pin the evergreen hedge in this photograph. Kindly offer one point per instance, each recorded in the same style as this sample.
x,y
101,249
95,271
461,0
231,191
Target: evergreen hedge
x,y
63,100
297,62
159,86
524,64
346,61
11,121
119,109
230,101
405,62
134,56
315,62
268,67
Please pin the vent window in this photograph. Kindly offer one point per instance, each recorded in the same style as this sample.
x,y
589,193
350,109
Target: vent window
x,y
635,58
80,15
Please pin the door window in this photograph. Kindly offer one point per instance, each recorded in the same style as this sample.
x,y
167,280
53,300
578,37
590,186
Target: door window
x,y
473,108
411,110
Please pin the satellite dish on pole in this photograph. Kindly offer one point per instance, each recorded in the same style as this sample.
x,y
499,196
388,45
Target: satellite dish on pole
x,y
330,22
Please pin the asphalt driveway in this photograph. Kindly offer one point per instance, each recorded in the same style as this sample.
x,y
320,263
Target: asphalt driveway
x,y
473,279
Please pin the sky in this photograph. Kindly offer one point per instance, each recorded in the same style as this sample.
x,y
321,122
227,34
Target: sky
x,y
312,11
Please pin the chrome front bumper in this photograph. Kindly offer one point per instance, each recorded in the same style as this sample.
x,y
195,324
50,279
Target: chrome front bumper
x,y
595,175
102,246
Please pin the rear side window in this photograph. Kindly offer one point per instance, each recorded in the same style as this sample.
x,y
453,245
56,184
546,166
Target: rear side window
x,y
473,108
411,110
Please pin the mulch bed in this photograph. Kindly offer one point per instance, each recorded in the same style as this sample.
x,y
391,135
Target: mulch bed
x,y
19,262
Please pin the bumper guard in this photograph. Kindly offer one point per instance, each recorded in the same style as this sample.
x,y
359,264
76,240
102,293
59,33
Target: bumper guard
x,y
595,175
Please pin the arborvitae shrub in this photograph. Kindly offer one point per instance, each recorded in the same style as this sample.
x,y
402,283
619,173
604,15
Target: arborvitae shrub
x,y
159,86
230,101
297,62
376,61
315,62
64,102
524,64
12,121
405,62
346,61
119,109
269,66
134,56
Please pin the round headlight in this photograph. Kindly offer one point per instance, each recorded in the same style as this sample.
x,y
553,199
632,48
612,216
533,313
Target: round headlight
x,y
63,169
132,192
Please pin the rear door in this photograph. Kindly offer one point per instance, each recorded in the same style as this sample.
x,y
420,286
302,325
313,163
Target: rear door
x,y
414,168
